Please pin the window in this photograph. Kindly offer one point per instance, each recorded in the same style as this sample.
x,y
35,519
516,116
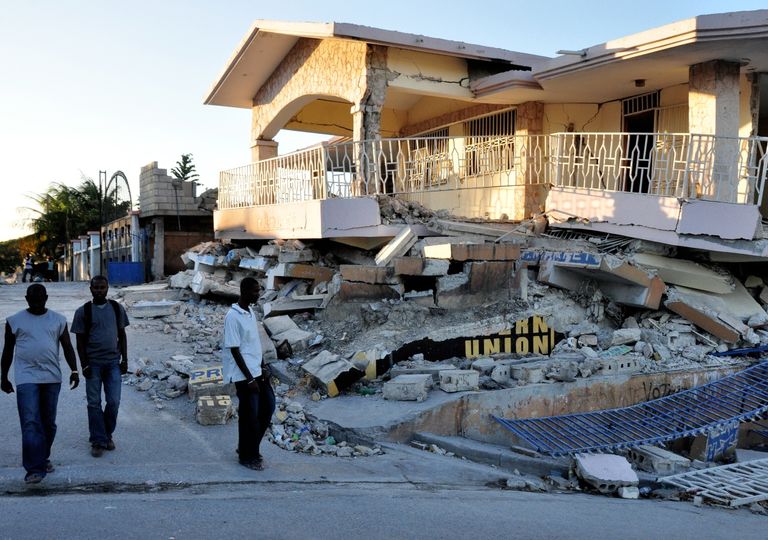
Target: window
x,y
489,143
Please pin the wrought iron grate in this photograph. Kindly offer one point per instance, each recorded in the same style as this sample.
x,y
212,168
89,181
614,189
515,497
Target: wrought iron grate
x,y
739,397
733,485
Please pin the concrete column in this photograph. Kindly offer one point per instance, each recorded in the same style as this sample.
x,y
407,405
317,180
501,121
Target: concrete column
x,y
74,263
84,260
158,254
94,268
529,197
263,149
135,238
713,109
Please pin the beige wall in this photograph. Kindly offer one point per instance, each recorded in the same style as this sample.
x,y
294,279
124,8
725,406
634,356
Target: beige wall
x,y
428,74
582,117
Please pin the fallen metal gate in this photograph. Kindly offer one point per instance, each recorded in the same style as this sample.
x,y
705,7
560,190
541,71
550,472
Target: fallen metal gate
x,y
734,485
739,397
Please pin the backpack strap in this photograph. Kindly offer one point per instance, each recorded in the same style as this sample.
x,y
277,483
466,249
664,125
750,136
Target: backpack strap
x,y
88,318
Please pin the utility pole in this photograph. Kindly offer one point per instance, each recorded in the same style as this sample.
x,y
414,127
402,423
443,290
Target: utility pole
x,y
102,182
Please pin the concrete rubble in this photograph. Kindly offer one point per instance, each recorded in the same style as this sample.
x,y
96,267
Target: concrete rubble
x,y
469,307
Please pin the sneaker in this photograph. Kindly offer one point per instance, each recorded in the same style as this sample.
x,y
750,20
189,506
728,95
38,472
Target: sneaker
x,y
33,478
49,468
97,451
110,445
256,464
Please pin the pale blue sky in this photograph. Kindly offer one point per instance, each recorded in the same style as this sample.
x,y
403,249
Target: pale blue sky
x,y
90,85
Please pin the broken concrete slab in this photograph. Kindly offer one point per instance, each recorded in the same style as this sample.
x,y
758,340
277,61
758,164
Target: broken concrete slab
x,y
299,271
397,247
416,266
150,292
686,273
182,280
605,472
332,372
720,315
257,264
363,292
459,380
657,460
617,279
433,370
269,250
279,324
148,309
214,410
473,252
268,351
283,306
408,387
296,338
367,274
626,335
458,228
296,256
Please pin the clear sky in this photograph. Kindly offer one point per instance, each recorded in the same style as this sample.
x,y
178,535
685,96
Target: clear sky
x,y
89,85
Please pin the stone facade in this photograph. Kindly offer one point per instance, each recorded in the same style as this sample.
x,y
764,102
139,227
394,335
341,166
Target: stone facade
x,y
314,68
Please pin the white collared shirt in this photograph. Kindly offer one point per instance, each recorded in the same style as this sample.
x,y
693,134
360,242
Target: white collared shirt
x,y
241,330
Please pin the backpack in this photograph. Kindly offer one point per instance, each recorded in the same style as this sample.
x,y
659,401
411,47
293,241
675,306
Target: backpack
x,y
88,316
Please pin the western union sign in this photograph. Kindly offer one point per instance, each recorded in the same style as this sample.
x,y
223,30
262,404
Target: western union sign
x,y
526,336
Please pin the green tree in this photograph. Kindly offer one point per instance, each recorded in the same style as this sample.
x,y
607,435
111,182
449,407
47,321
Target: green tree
x,y
64,212
185,169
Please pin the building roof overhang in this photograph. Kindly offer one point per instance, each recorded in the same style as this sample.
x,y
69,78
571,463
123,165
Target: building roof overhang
x,y
268,42
656,58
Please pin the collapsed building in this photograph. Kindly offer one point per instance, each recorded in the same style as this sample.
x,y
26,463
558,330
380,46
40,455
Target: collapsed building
x,y
575,233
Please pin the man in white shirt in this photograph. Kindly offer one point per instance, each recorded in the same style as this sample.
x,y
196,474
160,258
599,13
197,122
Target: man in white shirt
x,y
32,338
242,365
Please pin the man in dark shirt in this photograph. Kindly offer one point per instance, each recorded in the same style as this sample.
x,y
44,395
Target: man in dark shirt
x,y
103,350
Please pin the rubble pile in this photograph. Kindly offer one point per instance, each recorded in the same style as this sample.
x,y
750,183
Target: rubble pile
x,y
292,430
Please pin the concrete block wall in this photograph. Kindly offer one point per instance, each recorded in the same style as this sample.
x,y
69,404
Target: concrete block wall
x,y
158,197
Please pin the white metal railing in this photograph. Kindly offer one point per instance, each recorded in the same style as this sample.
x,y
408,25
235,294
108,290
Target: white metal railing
x,y
661,164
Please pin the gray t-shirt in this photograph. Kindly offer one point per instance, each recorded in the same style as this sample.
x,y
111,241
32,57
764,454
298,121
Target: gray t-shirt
x,y
36,358
102,347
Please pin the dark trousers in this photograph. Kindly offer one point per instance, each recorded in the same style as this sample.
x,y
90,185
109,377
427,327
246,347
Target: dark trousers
x,y
102,422
254,416
37,414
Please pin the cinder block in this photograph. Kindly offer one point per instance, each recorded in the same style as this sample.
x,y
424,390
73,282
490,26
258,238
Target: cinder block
x,y
433,370
408,388
214,410
296,256
657,460
207,381
459,380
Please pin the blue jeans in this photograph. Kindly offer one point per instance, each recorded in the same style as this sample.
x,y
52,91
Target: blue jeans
x,y
102,422
37,414
254,416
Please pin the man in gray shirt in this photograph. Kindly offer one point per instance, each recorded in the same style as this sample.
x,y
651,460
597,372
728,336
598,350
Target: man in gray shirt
x,y
34,335
99,326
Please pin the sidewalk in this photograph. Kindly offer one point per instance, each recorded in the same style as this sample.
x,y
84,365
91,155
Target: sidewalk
x,y
160,449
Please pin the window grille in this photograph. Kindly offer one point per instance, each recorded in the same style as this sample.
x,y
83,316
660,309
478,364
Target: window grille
x,y
489,143
431,163
639,104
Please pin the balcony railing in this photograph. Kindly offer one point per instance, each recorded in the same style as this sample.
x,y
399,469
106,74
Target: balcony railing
x,y
670,165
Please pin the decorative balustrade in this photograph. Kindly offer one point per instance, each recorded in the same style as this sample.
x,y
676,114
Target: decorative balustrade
x,y
662,164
